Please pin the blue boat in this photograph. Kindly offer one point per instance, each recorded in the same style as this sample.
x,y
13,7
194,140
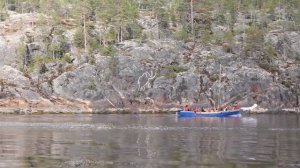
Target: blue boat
x,y
229,113
209,114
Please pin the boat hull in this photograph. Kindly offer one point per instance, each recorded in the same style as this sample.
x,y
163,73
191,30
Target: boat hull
x,y
209,114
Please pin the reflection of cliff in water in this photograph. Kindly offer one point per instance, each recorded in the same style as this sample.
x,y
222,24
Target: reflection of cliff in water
x,y
149,141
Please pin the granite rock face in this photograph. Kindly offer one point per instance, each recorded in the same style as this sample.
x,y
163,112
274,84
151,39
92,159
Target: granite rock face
x,y
154,75
159,73
163,72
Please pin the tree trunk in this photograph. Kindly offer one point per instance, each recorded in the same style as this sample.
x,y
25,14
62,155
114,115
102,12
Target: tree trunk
x,y
139,5
192,17
85,33
121,34
22,9
2,85
156,18
6,4
104,39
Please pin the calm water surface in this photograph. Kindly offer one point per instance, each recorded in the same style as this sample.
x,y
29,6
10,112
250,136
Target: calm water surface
x,y
149,141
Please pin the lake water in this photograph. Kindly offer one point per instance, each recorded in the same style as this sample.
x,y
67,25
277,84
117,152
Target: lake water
x,y
149,141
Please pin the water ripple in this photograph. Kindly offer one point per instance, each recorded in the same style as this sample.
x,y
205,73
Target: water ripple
x,y
66,125
99,126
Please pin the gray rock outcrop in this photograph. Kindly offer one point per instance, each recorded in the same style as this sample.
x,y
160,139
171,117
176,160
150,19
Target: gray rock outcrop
x,y
153,75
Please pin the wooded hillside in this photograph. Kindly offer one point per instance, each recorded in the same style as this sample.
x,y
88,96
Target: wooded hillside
x,y
162,51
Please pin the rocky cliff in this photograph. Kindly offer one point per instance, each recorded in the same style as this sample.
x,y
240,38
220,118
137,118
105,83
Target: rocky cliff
x,y
152,74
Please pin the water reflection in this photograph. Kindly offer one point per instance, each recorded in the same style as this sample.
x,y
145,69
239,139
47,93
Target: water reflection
x,y
149,141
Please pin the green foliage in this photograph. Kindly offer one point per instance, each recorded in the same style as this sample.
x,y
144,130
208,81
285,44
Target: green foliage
x,y
176,68
270,5
228,41
67,58
220,19
287,25
270,52
254,42
298,93
43,68
94,43
171,75
182,34
78,38
108,22
229,37
267,59
208,37
173,70
21,52
211,56
133,31
92,59
264,64
108,50
143,38
164,19
113,66
42,20
287,83
297,58
231,6
3,16
2,5
295,17
129,10
110,37
255,35
108,11
227,47
92,85
58,47
54,48
21,49
37,62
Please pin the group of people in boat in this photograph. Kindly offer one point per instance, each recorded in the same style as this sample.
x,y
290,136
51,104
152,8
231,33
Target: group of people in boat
x,y
235,106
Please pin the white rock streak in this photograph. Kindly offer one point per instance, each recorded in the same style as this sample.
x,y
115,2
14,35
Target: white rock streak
x,y
147,78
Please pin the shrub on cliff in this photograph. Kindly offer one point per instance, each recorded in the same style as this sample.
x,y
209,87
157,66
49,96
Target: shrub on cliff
x,y
3,16
78,38
43,68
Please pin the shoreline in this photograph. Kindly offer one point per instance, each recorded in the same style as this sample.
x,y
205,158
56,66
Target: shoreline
x,y
19,111
16,111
